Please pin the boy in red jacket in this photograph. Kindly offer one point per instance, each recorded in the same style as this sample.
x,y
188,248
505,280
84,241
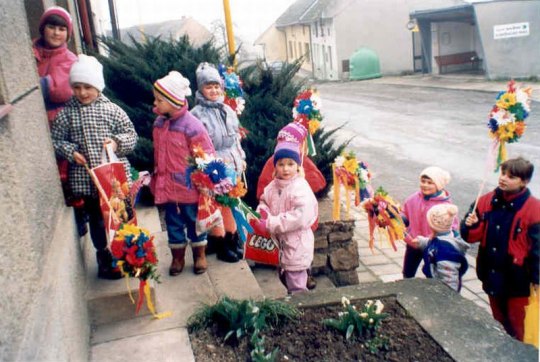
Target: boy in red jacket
x,y
507,225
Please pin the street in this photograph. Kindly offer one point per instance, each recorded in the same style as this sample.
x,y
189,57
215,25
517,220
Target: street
x,y
399,130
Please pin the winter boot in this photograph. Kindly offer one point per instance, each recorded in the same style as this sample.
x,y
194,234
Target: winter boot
x,y
105,268
225,250
177,263
311,282
199,259
238,246
213,243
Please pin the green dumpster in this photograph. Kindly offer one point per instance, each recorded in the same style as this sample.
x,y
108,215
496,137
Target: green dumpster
x,y
364,64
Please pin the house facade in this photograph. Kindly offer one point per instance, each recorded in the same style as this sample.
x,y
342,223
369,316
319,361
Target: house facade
x,y
414,36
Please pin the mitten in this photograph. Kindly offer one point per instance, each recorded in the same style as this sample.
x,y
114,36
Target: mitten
x,y
259,227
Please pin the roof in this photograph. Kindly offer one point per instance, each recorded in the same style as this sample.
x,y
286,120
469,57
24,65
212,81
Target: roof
x,y
460,13
294,13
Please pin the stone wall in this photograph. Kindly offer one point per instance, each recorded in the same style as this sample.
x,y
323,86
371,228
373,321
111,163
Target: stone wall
x,y
44,314
336,252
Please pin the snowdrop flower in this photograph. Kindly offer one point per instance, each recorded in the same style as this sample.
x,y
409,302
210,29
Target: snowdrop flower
x,y
379,306
369,303
363,315
345,302
371,320
255,310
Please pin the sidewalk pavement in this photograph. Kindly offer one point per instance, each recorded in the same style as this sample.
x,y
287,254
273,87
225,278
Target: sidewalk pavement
x,y
466,82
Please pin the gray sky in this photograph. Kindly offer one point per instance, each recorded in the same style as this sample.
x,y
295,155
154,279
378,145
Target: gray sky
x,y
250,17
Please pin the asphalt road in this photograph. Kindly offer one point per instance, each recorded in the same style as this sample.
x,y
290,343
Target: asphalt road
x,y
400,130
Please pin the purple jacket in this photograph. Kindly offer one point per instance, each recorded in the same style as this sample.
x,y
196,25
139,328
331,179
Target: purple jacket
x,y
292,208
174,140
415,211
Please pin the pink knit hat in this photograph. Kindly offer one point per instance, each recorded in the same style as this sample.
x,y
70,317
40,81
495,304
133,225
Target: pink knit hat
x,y
441,217
289,142
58,11
440,177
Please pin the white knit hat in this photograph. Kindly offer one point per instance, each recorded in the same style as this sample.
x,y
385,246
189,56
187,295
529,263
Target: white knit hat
x,y
441,217
207,73
440,177
88,70
174,87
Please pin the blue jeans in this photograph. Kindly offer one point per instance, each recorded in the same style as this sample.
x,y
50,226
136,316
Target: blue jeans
x,y
178,218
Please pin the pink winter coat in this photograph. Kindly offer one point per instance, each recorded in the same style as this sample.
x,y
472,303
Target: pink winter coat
x,y
292,208
415,211
53,69
174,140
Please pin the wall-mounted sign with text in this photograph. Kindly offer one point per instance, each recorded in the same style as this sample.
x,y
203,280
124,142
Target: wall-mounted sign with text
x,y
510,30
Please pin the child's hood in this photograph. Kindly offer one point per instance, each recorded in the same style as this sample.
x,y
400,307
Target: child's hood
x,y
457,242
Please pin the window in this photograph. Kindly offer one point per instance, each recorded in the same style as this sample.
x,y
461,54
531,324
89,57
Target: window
x,y
330,57
316,28
291,55
322,29
308,55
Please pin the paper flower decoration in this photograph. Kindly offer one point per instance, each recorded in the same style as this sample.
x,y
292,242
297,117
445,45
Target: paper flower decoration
x,y
353,175
134,253
507,119
217,183
234,95
384,213
306,111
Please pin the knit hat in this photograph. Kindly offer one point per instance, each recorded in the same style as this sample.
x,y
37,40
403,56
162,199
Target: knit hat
x,y
440,217
207,73
289,142
174,87
440,177
88,70
59,11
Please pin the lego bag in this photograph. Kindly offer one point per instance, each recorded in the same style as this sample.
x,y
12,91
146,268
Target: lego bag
x,y
114,192
261,249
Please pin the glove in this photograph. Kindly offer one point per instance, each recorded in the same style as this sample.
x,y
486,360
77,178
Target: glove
x,y
264,214
259,227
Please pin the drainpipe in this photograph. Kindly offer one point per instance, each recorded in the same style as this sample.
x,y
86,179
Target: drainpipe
x,y
85,23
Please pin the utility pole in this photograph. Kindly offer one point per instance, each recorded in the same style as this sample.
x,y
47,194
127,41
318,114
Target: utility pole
x,y
114,20
230,34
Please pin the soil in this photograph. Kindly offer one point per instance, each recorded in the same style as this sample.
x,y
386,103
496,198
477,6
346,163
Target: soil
x,y
307,339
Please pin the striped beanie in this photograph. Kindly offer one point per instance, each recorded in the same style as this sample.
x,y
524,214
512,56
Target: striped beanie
x,y
58,11
290,140
174,87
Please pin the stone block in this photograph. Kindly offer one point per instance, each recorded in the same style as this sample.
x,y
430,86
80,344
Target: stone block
x,y
344,259
319,264
339,236
344,278
323,229
321,242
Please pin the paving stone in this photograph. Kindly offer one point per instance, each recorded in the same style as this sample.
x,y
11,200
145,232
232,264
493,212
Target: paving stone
x,y
385,269
469,275
474,285
374,260
367,277
391,277
363,251
466,293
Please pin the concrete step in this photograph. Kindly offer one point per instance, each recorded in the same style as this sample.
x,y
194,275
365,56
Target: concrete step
x,y
180,295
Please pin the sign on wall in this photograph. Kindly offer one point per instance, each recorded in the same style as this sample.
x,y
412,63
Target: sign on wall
x,y
510,30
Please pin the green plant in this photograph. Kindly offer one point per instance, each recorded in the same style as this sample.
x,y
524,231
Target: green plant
x,y
363,323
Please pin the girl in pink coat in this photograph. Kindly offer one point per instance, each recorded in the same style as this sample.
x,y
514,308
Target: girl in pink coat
x,y
288,209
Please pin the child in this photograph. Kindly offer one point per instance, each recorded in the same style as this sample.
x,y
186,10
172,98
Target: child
x,y
54,60
289,208
444,252
223,128
176,133
506,222
80,132
433,181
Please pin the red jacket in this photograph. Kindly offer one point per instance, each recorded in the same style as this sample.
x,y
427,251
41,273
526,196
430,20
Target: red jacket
x,y
53,68
508,258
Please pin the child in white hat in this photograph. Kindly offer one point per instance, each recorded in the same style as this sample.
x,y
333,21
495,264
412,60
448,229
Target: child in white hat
x,y
433,181
176,133
80,132
443,252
